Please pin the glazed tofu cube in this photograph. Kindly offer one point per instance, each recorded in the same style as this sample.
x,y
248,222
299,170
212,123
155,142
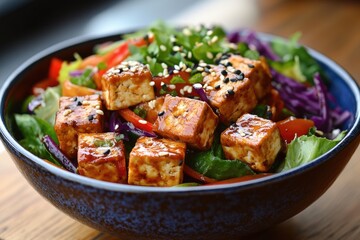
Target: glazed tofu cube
x,y
230,93
156,162
126,85
102,156
151,108
77,115
254,140
257,71
188,120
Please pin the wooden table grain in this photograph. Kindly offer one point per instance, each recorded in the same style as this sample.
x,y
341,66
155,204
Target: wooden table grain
x,y
331,27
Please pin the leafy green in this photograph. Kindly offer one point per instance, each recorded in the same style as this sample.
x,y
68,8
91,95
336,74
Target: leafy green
x,y
85,79
306,148
177,79
33,129
212,163
196,78
47,111
296,62
141,112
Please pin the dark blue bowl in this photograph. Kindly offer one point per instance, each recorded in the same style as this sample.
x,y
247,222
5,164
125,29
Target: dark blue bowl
x,y
204,212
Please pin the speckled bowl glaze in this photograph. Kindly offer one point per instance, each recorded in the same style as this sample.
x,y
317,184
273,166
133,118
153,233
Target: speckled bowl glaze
x,y
205,212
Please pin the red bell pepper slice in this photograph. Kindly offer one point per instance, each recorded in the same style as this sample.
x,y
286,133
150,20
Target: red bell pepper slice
x,y
136,120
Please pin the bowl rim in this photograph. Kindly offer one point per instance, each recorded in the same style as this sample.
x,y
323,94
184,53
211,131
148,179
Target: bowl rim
x,y
353,131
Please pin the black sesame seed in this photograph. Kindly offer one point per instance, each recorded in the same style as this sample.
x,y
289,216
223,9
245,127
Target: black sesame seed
x,y
217,86
181,162
161,113
226,80
229,64
237,72
91,117
107,152
251,65
233,80
78,103
75,99
230,92
241,76
224,73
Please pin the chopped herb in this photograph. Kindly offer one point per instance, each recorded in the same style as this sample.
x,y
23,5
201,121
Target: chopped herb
x,y
177,79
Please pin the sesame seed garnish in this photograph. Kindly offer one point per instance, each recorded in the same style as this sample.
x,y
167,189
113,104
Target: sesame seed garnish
x,y
200,69
188,70
197,86
152,83
233,79
209,55
189,55
176,48
107,151
240,76
186,32
91,117
172,38
224,73
182,91
226,80
213,74
251,65
189,90
177,67
230,92
214,39
176,71
142,121
67,112
163,48
204,74
203,64
161,113
160,74
172,86
217,87
100,112
163,65
152,104
237,72
163,154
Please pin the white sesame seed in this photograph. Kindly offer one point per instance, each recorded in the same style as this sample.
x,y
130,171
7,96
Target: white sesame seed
x,y
176,71
189,90
162,84
171,86
213,74
142,121
189,55
152,104
209,55
204,74
186,32
183,54
203,64
200,69
67,112
160,74
209,88
166,75
176,67
188,70
197,86
176,48
210,32
172,38
100,112
163,48
163,65
214,39
182,91
152,83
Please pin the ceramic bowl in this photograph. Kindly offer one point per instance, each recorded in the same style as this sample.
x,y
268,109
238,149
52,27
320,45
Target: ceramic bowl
x,y
204,212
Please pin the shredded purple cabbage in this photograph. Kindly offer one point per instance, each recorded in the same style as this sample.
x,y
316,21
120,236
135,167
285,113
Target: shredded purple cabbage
x,y
251,38
117,125
200,91
53,148
35,103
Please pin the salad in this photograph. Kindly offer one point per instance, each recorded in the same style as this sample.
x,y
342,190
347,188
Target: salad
x,y
184,106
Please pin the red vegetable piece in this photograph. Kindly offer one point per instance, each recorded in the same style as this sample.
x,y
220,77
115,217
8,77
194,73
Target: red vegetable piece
x,y
294,127
198,176
136,120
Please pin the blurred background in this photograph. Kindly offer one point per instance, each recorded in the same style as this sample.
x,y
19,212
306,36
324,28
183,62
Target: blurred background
x,y
29,26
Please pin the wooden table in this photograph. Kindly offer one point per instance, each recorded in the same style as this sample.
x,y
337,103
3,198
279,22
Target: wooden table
x,y
331,27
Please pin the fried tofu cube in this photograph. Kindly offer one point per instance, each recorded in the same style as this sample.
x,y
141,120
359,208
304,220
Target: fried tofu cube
x,y
187,120
77,115
253,140
156,162
102,156
257,71
151,108
126,85
230,93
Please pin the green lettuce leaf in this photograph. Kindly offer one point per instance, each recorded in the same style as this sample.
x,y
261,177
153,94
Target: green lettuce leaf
x,y
33,129
304,149
213,164
48,110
